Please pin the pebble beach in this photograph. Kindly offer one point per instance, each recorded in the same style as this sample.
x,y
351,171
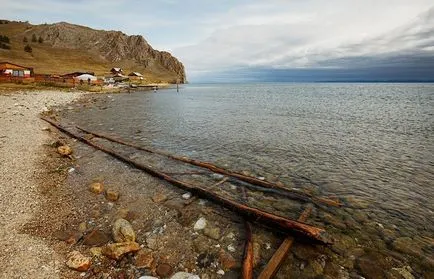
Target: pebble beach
x,y
22,136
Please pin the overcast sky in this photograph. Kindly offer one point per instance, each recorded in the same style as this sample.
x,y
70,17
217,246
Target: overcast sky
x,y
211,36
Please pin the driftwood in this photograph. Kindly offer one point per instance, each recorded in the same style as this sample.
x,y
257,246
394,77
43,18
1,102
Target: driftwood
x,y
303,196
275,221
248,247
187,173
279,256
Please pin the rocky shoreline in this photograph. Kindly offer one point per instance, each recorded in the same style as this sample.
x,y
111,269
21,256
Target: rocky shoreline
x,y
74,212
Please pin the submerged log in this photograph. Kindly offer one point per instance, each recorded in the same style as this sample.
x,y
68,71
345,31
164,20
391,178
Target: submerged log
x,y
275,221
252,180
279,256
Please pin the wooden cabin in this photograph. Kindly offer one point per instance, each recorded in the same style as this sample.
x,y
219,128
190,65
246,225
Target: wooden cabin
x,y
13,70
76,74
135,76
116,71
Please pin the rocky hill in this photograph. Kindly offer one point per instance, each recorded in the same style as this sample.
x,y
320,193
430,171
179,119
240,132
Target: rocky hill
x,y
66,47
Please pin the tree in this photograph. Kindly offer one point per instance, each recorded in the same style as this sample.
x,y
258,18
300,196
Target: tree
x,y
34,39
40,40
4,46
25,40
28,48
4,39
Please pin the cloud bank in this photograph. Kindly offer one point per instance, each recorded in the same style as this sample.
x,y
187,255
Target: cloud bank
x,y
318,36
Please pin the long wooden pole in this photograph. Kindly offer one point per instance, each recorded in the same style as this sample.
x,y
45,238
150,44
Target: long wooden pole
x,y
263,183
248,247
255,214
279,256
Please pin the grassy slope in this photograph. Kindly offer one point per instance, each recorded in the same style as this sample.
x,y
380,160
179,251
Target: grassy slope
x,y
47,60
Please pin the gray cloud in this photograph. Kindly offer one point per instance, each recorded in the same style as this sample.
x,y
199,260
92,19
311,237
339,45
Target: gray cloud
x,y
361,38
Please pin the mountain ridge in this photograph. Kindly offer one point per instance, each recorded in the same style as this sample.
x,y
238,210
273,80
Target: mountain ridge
x,y
67,45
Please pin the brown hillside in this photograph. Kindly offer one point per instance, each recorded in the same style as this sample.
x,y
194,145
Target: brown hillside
x,y
68,47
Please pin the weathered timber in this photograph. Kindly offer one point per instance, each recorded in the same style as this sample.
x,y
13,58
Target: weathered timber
x,y
295,194
279,256
187,173
247,271
260,216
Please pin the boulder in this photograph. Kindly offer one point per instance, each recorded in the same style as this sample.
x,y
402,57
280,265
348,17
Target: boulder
x,y
75,260
164,270
117,250
200,224
226,260
159,198
184,275
408,246
144,259
96,251
96,187
404,272
96,238
212,232
122,231
64,150
112,195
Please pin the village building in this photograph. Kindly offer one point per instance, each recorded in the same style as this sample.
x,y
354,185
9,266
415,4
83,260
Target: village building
x,y
76,74
120,77
135,76
115,71
14,70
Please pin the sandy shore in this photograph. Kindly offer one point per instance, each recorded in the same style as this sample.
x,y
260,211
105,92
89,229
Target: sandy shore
x,y
21,140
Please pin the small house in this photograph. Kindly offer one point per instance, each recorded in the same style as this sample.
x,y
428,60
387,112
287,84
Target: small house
x,y
14,70
76,74
136,76
85,78
115,71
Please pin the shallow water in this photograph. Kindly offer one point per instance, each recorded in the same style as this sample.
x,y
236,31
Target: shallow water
x,y
369,144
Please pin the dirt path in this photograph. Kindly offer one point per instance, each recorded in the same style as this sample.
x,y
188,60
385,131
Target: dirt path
x,y
21,140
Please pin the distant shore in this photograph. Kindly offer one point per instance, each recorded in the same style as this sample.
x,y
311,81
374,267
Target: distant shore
x,y
14,87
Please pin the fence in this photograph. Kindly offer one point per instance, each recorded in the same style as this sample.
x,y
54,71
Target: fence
x,y
47,80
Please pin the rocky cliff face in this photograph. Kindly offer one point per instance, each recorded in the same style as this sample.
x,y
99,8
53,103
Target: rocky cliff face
x,y
112,46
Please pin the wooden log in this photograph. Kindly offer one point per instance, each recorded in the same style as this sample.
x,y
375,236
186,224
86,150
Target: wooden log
x,y
188,173
247,271
275,221
279,256
252,180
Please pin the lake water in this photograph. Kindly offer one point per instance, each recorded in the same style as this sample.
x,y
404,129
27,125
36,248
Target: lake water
x,y
371,145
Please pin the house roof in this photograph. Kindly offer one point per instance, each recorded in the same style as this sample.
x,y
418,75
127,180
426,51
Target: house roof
x,y
85,77
116,69
135,74
3,65
74,74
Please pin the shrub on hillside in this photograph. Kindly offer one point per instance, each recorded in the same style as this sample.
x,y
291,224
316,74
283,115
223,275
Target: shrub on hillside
x,y
34,39
25,40
40,40
4,39
28,48
4,46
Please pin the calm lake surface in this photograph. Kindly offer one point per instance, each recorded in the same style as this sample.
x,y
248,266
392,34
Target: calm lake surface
x,y
372,145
